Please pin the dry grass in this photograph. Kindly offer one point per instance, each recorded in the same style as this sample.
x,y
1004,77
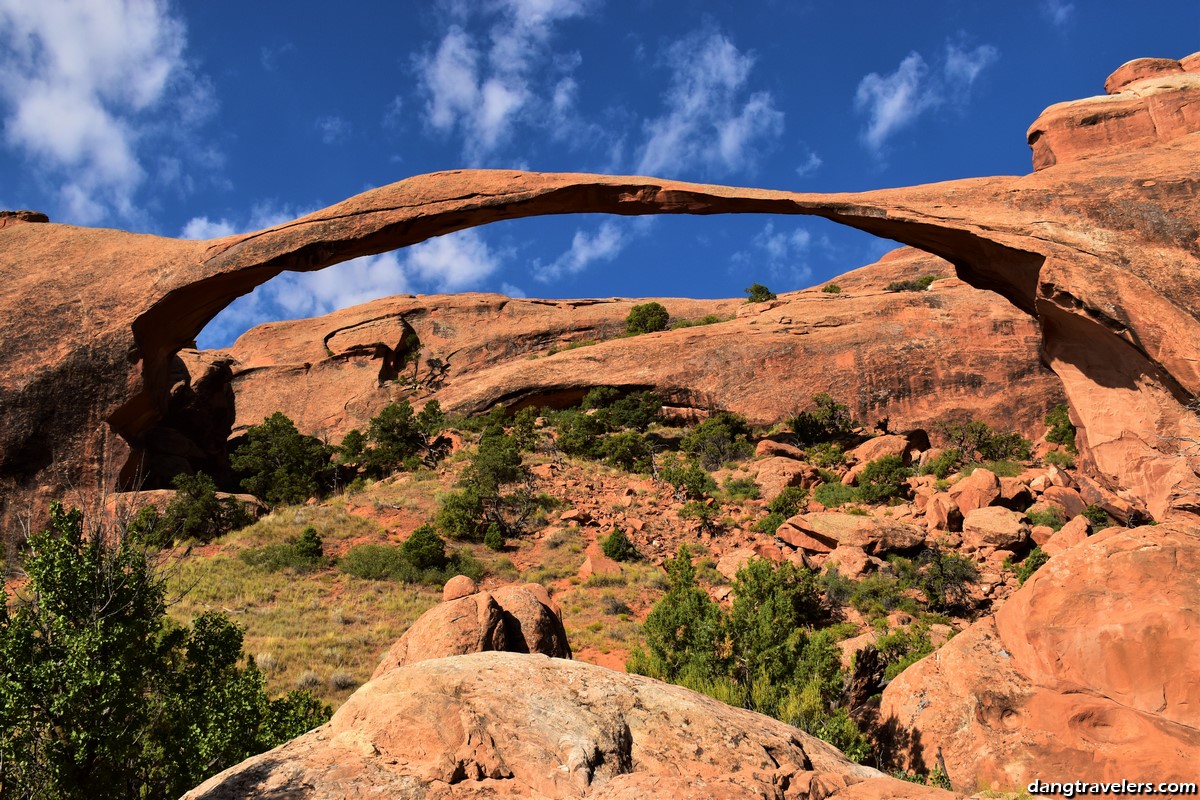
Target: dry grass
x,y
325,631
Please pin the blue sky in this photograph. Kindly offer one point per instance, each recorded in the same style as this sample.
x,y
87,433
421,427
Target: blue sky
x,y
208,118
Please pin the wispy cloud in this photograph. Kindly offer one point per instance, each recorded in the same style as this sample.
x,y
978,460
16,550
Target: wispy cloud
x,y
587,248
895,101
332,128
778,253
455,262
811,163
711,122
88,90
963,66
483,87
1058,12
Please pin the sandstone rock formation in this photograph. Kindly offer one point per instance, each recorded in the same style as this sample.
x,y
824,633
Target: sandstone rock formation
x,y
515,619
505,725
1087,671
915,358
1101,249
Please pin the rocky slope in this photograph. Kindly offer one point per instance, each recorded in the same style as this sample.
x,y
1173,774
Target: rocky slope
x,y
915,357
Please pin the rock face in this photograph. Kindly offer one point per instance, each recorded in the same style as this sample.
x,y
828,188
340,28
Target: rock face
x,y
515,619
507,725
1087,671
1101,250
915,358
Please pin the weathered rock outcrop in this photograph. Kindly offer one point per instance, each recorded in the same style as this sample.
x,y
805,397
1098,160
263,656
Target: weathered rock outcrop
x,y
914,357
513,619
1088,672
1102,250
508,725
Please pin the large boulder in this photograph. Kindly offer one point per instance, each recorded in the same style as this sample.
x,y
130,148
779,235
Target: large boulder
x,y
1086,673
501,725
873,535
515,618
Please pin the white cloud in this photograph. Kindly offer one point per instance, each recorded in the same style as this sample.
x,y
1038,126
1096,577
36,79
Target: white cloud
x,y
781,254
86,87
895,101
963,66
205,228
604,244
332,128
484,86
511,290
455,262
1058,12
809,165
709,122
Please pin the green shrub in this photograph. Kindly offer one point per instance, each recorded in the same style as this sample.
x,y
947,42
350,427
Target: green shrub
x,y
945,463
738,490
834,495
635,411
945,578
1059,459
279,464
978,442
1049,516
719,439
1003,469
618,547
825,454
374,562
431,420
836,587
353,448
629,451
879,594
395,437
828,421
917,285
707,319
788,502
494,539
378,562
702,512
309,545
424,549
769,524
688,478
831,288
882,479
1061,430
758,293
903,647
647,318
578,433
195,512
279,556
1096,516
460,514
1029,565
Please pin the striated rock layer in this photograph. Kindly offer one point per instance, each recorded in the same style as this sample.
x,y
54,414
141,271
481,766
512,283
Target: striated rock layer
x,y
508,725
1104,250
914,357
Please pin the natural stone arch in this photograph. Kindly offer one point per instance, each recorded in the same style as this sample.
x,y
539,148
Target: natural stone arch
x,y
1101,246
